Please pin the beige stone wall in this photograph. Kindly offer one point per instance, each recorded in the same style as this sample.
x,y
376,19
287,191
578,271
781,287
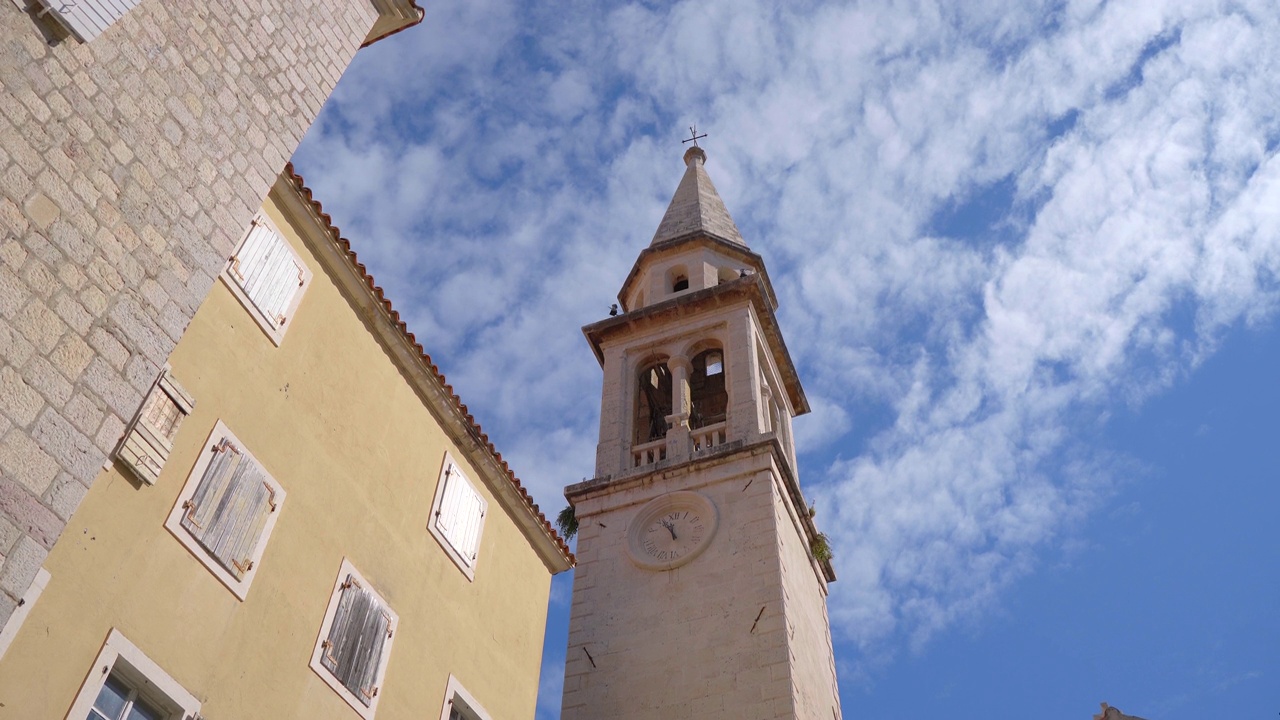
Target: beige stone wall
x,y
811,656
128,167
358,454
681,643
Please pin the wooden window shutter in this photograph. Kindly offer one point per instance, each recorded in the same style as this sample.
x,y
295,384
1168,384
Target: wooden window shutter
x,y
353,649
86,19
229,509
268,272
149,438
461,514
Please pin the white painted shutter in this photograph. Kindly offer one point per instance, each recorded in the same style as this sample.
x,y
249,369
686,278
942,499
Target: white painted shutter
x,y
229,509
267,271
353,650
86,19
461,514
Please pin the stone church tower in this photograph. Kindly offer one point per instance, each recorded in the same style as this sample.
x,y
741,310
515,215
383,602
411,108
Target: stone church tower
x,y
697,591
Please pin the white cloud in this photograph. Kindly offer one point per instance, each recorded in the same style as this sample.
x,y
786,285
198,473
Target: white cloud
x,y
501,166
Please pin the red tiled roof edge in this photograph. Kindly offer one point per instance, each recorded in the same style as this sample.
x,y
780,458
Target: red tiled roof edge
x,y
423,357
421,14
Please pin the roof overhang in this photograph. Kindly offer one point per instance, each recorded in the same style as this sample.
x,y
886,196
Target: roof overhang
x,y
393,16
754,289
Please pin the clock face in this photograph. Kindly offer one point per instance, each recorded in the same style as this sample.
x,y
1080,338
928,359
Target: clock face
x,y
671,530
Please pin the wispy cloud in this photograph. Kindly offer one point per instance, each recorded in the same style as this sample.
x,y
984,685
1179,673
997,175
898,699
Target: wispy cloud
x,y
1114,165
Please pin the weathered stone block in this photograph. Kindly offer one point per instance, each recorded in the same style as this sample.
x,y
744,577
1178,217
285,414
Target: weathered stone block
x,y
9,534
109,347
72,313
64,495
41,210
22,459
94,300
83,413
21,566
45,379
71,356
7,604
69,447
71,276
40,325
18,401
13,292
14,349
39,278
12,220
109,385
109,433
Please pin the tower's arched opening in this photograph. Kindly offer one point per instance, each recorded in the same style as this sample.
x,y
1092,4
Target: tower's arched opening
x,y
678,279
653,403
707,390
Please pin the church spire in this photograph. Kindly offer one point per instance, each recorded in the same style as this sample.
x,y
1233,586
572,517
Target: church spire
x,y
696,206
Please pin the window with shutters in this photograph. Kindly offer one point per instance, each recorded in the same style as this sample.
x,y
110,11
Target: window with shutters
x,y
457,517
267,277
149,439
227,510
460,705
86,19
125,684
355,641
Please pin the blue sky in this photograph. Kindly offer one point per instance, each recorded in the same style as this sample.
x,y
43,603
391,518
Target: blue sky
x,y
1027,258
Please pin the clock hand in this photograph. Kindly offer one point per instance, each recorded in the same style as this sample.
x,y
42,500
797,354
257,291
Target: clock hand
x,y
670,528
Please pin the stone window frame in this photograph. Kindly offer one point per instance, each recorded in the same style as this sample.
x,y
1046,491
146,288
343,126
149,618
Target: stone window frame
x,y
347,569
456,695
269,328
466,565
11,627
121,658
173,523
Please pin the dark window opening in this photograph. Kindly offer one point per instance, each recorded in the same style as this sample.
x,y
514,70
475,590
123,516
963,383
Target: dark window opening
x,y
707,391
653,404
681,283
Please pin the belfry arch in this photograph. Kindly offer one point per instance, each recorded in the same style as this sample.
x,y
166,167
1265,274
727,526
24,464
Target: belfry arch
x,y
708,391
653,401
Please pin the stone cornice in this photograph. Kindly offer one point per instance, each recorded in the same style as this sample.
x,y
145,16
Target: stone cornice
x,y
720,455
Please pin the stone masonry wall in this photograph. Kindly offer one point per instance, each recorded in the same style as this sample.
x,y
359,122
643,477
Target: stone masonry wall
x,y
706,640
129,167
812,657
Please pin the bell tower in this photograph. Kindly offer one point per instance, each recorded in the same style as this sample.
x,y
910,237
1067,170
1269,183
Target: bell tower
x,y
701,582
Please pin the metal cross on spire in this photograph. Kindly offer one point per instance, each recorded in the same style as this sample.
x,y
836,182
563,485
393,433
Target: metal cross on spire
x,y
693,131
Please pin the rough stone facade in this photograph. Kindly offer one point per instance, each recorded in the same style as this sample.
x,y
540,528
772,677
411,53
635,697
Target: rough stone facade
x,y
129,167
739,633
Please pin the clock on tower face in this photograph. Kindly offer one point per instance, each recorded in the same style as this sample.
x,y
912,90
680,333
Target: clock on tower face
x,y
671,530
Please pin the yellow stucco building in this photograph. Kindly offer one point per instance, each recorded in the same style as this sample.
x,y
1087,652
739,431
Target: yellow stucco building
x,y
303,522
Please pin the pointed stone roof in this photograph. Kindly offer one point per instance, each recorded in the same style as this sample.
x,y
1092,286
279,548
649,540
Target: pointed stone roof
x,y
696,206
